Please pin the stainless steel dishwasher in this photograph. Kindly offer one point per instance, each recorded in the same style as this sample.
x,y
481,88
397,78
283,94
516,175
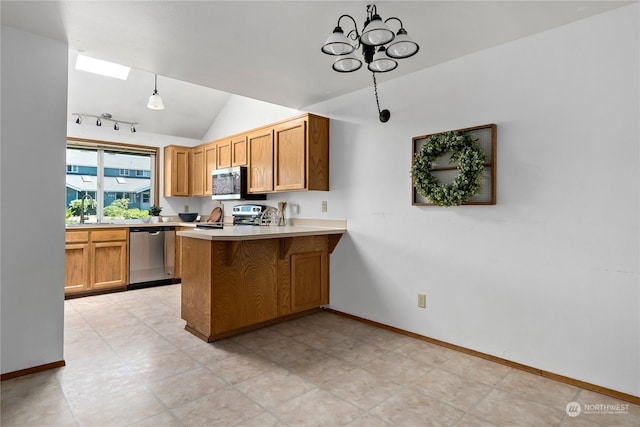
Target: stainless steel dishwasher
x,y
151,256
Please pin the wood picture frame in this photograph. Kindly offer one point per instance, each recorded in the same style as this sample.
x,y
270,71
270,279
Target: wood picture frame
x,y
486,195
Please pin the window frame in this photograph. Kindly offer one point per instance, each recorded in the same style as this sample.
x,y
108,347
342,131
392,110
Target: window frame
x,y
73,142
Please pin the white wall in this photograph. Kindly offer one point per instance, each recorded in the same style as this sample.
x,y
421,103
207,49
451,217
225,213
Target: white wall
x,y
32,214
549,276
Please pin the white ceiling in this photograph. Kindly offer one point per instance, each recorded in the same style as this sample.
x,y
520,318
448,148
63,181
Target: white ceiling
x,y
267,50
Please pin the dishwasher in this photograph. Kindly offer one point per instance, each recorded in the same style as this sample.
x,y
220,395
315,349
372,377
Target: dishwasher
x,y
152,254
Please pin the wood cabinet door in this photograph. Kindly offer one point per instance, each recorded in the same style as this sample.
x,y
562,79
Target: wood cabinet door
x,y
260,176
197,171
76,267
176,170
224,154
109,264
210,164
309,282
290,156
239,151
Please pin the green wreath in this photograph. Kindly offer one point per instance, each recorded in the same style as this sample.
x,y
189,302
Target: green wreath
x,y
470,158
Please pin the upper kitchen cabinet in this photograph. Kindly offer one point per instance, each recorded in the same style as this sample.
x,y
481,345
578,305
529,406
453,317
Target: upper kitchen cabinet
x,y
197,171
301,154
223,154
177,170
260,176
239,151
210,162
232,152
203,162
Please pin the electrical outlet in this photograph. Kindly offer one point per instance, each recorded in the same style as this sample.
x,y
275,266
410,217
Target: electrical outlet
x,y
186,208
422,301
324,206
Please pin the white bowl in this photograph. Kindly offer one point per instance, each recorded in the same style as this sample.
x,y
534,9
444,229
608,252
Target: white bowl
x,y
146,219
165,219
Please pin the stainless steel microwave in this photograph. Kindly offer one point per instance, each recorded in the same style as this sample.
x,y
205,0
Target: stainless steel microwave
x,y
231,184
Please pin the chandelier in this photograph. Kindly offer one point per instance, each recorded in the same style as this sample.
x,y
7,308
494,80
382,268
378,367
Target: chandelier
x,y
380,48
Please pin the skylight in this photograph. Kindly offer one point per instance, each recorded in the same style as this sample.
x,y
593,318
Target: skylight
x,y
104,68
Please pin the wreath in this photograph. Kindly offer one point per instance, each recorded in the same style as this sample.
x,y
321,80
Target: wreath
x,y
465,151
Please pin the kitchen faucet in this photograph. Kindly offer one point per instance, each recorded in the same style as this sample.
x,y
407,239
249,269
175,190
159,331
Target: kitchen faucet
x,y
85,197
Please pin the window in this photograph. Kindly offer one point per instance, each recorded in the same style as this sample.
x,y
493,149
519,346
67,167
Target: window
x,y
104,166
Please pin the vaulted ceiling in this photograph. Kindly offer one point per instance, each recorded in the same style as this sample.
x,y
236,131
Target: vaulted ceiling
x,y
267,50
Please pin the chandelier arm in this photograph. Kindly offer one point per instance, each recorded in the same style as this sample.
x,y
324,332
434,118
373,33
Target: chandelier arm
x,y
352,20
397,19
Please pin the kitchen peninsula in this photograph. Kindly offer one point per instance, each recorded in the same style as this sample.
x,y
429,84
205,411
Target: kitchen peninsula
x,y
244,277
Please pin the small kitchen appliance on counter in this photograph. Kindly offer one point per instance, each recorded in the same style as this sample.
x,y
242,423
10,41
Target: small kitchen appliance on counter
x,y
247,214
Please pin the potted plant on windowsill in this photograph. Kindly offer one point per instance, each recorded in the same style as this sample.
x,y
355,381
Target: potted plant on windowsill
x,y
154,211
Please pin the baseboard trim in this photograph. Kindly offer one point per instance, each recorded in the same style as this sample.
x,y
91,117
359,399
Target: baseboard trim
x,y
32,370
530,369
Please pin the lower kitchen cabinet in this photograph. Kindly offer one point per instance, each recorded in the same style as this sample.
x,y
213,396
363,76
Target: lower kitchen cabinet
x,y
229,287
96,260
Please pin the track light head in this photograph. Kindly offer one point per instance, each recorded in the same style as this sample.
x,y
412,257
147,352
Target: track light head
x,y
116,126
133,129
98,122
79,120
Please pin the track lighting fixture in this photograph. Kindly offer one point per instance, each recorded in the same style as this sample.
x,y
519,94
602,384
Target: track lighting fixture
x,y
375,34
155,102
106,116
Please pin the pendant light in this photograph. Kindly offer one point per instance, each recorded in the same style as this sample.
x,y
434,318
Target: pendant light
x,y
155,102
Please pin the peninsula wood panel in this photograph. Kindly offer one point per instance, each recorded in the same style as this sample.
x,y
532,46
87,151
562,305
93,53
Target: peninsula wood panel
x,y
245,289
196,289
233,286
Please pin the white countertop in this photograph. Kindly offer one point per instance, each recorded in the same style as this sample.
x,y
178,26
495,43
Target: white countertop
x,y
248,232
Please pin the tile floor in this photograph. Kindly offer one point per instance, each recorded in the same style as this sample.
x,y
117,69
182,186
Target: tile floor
x,y
130,362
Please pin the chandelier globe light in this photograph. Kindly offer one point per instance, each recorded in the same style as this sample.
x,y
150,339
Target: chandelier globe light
x,y
380,48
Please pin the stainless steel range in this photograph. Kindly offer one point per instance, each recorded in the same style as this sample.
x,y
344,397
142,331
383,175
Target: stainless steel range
x,y
247,214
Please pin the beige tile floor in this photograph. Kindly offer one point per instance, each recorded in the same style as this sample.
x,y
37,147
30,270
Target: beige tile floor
x,y
130,362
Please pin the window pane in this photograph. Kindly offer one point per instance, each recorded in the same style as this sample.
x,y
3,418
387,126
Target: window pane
x,y
117,178
122,197
82,166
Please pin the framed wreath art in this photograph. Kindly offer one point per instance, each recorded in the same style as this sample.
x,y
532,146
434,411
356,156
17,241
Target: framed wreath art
x,y
455,167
